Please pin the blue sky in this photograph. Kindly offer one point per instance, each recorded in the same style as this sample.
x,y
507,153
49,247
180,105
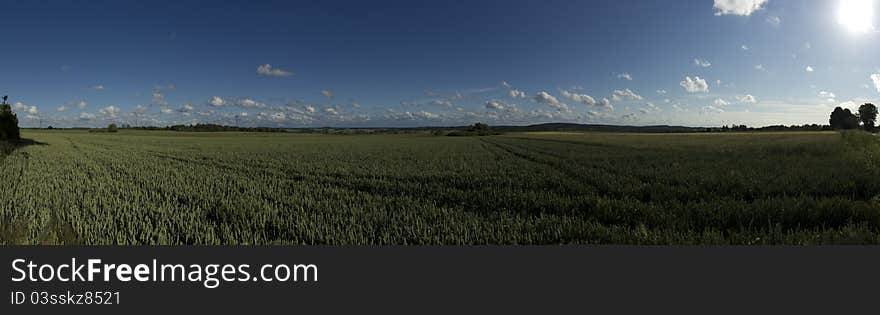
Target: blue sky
x,y
408,63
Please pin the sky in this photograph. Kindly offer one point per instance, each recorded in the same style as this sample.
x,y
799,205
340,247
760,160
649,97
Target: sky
x,y
437,63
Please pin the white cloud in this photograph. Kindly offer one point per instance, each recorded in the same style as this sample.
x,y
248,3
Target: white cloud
x,y
743,47
310,109
494,104
516,94
441,103
249,103
186,108
426,115
99,87
545,98
267,70
826,94
720,102
279,116
82,104
217,101
24,108
711,109
702,63
876,78
87,116
748,98
606,104
661,92
109,112
327,93
331,111
159,98
774,20
619,95
738,7
61,108
759,67
506,85
625,76
167,111
809,69
580,98
694,85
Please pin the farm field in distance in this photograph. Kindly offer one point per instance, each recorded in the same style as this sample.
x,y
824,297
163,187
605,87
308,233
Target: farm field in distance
x,y
162,187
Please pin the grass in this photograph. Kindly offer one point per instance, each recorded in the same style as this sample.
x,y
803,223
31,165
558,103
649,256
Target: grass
x,y
153,187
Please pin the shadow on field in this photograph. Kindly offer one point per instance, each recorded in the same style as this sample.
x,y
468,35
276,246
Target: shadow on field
x,y
7,147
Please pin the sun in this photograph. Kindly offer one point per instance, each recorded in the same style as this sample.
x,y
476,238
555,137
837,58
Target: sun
x,y
856,16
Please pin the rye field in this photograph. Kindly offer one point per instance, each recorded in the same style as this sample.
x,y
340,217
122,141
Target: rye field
x,y
157,187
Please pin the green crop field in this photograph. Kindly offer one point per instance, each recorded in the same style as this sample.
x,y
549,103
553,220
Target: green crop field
x,y
154,187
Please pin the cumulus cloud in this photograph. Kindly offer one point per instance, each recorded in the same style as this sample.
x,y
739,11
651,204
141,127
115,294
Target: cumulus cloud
x,y
87,116
249,103
774,20
702,63
738,7
516,94
606,104
327,93
166,111
627,94
694,85
217,101
743,47
661,92
720,102
109,112
506,85
279,116
310,109
625,76
495,104
82,104
331,111
545,98
426,115
61,108
580,98
24,108
876,79
748,98
759,67
99,87
267,70
809,69
186,108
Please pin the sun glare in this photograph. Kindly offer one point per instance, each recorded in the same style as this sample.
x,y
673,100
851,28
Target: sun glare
x,y
856,16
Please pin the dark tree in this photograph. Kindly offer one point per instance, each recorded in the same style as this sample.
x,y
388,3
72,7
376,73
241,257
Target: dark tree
x,y
843,119
8,122
112,128
868,115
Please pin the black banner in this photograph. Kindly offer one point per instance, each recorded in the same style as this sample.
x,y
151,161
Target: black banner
x,y
413,280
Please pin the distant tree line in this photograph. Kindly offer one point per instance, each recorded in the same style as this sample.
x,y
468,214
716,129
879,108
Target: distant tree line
x,y
737,128
207,128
